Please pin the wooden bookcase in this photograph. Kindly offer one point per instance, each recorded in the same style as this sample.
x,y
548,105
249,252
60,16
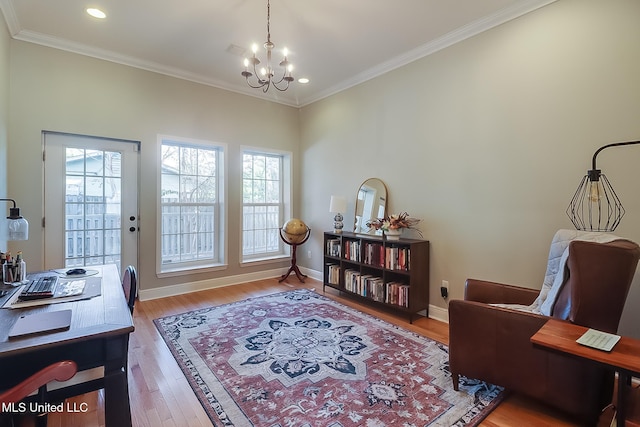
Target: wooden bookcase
x,y
391,273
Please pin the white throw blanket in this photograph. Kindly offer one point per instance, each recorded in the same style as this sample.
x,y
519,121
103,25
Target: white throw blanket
x,y
555,275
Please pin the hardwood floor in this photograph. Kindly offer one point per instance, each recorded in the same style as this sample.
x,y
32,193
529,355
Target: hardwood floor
x,y
161,396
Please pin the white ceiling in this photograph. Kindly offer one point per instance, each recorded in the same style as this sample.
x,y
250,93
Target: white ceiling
x,y
335,43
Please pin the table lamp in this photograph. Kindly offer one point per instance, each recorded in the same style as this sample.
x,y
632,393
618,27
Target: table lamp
x,y
337,206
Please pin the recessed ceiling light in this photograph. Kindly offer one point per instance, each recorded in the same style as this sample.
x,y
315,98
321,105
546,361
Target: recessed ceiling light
x,y
303,80
96,13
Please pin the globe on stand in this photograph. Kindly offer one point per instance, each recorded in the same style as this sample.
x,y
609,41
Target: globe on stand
x,y
294,232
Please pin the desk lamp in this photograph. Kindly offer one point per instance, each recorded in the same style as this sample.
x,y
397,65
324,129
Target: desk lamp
x,y
16,227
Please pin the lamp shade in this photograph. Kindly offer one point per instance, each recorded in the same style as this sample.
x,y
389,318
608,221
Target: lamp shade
x,y
18,229
15,227
338,204
595,206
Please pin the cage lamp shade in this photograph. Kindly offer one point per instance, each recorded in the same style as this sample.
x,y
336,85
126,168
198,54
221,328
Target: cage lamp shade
x,y
595,206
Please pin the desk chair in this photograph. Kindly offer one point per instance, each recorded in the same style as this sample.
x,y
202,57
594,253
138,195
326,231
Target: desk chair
x,y
130,286
59,371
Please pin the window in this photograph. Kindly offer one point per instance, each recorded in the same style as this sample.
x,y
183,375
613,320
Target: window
x,y
265,203
191,200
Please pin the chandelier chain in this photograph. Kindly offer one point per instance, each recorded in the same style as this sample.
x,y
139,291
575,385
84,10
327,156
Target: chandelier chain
x,y
268,21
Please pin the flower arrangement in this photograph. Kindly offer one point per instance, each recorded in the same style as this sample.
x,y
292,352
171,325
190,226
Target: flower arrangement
x,y
395,222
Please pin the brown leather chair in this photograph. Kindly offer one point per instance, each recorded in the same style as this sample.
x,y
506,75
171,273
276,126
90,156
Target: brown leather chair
x,y
492,343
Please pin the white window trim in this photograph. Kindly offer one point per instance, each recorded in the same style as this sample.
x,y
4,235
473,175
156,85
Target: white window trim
x,y
164,271
287,194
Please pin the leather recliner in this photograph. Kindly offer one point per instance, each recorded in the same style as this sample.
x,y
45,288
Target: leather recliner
x,y
492,343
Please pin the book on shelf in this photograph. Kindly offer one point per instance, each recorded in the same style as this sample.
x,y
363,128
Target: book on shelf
x,y
333,274
333,247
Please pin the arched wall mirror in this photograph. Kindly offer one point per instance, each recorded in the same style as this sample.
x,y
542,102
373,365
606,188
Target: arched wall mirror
x,y
371,203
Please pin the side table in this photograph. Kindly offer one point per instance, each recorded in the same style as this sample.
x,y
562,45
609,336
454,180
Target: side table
x,y
624,358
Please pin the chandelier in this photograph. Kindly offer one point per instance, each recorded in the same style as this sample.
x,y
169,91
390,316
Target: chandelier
x,y
265,78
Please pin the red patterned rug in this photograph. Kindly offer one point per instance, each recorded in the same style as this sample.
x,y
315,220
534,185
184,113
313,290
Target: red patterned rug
x,y
299,359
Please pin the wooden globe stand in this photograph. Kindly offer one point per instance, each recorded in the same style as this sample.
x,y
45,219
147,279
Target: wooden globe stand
x,y
294,266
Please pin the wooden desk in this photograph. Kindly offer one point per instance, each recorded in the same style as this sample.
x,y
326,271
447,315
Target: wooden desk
x,y
561,336
98,336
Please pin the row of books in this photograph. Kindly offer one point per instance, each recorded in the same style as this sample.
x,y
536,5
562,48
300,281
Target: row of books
x,y
398,293
391,258
373,254
397,258
375,288
352,250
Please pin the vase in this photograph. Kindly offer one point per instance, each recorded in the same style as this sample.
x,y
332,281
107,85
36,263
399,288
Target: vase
x,y
393,234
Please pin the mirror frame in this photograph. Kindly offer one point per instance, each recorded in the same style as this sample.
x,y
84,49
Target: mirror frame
x,y
359,226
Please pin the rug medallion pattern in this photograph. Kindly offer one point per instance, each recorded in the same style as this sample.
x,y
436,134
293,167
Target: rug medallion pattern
x,y
299,359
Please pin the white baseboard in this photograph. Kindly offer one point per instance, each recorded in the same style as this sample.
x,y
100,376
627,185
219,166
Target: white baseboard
x,y
437,313
218,282
314,274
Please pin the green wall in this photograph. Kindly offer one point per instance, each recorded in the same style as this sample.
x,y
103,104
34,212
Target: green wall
x,y
60,91
487,140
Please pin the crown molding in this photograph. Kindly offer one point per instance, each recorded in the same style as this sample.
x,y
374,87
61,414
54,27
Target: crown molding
x,y
10,17
474,28
107,55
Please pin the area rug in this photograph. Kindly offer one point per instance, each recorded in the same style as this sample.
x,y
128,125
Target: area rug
x,y
299,359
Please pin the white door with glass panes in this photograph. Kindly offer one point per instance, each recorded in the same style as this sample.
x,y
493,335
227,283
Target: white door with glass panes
x,y
91,201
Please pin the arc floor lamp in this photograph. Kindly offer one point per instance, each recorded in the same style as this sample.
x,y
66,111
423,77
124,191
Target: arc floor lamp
x,y
595,206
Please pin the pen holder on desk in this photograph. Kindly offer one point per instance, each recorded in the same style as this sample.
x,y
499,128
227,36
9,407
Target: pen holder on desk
x,y
14,273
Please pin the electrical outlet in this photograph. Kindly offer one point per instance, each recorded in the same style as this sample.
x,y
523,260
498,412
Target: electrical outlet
x,y
444,289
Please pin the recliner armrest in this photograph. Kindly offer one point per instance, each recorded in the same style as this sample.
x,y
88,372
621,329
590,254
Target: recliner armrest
x,y
498,293
493,344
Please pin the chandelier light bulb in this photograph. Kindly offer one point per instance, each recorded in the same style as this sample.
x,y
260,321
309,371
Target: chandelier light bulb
x,y
254,48
285,52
